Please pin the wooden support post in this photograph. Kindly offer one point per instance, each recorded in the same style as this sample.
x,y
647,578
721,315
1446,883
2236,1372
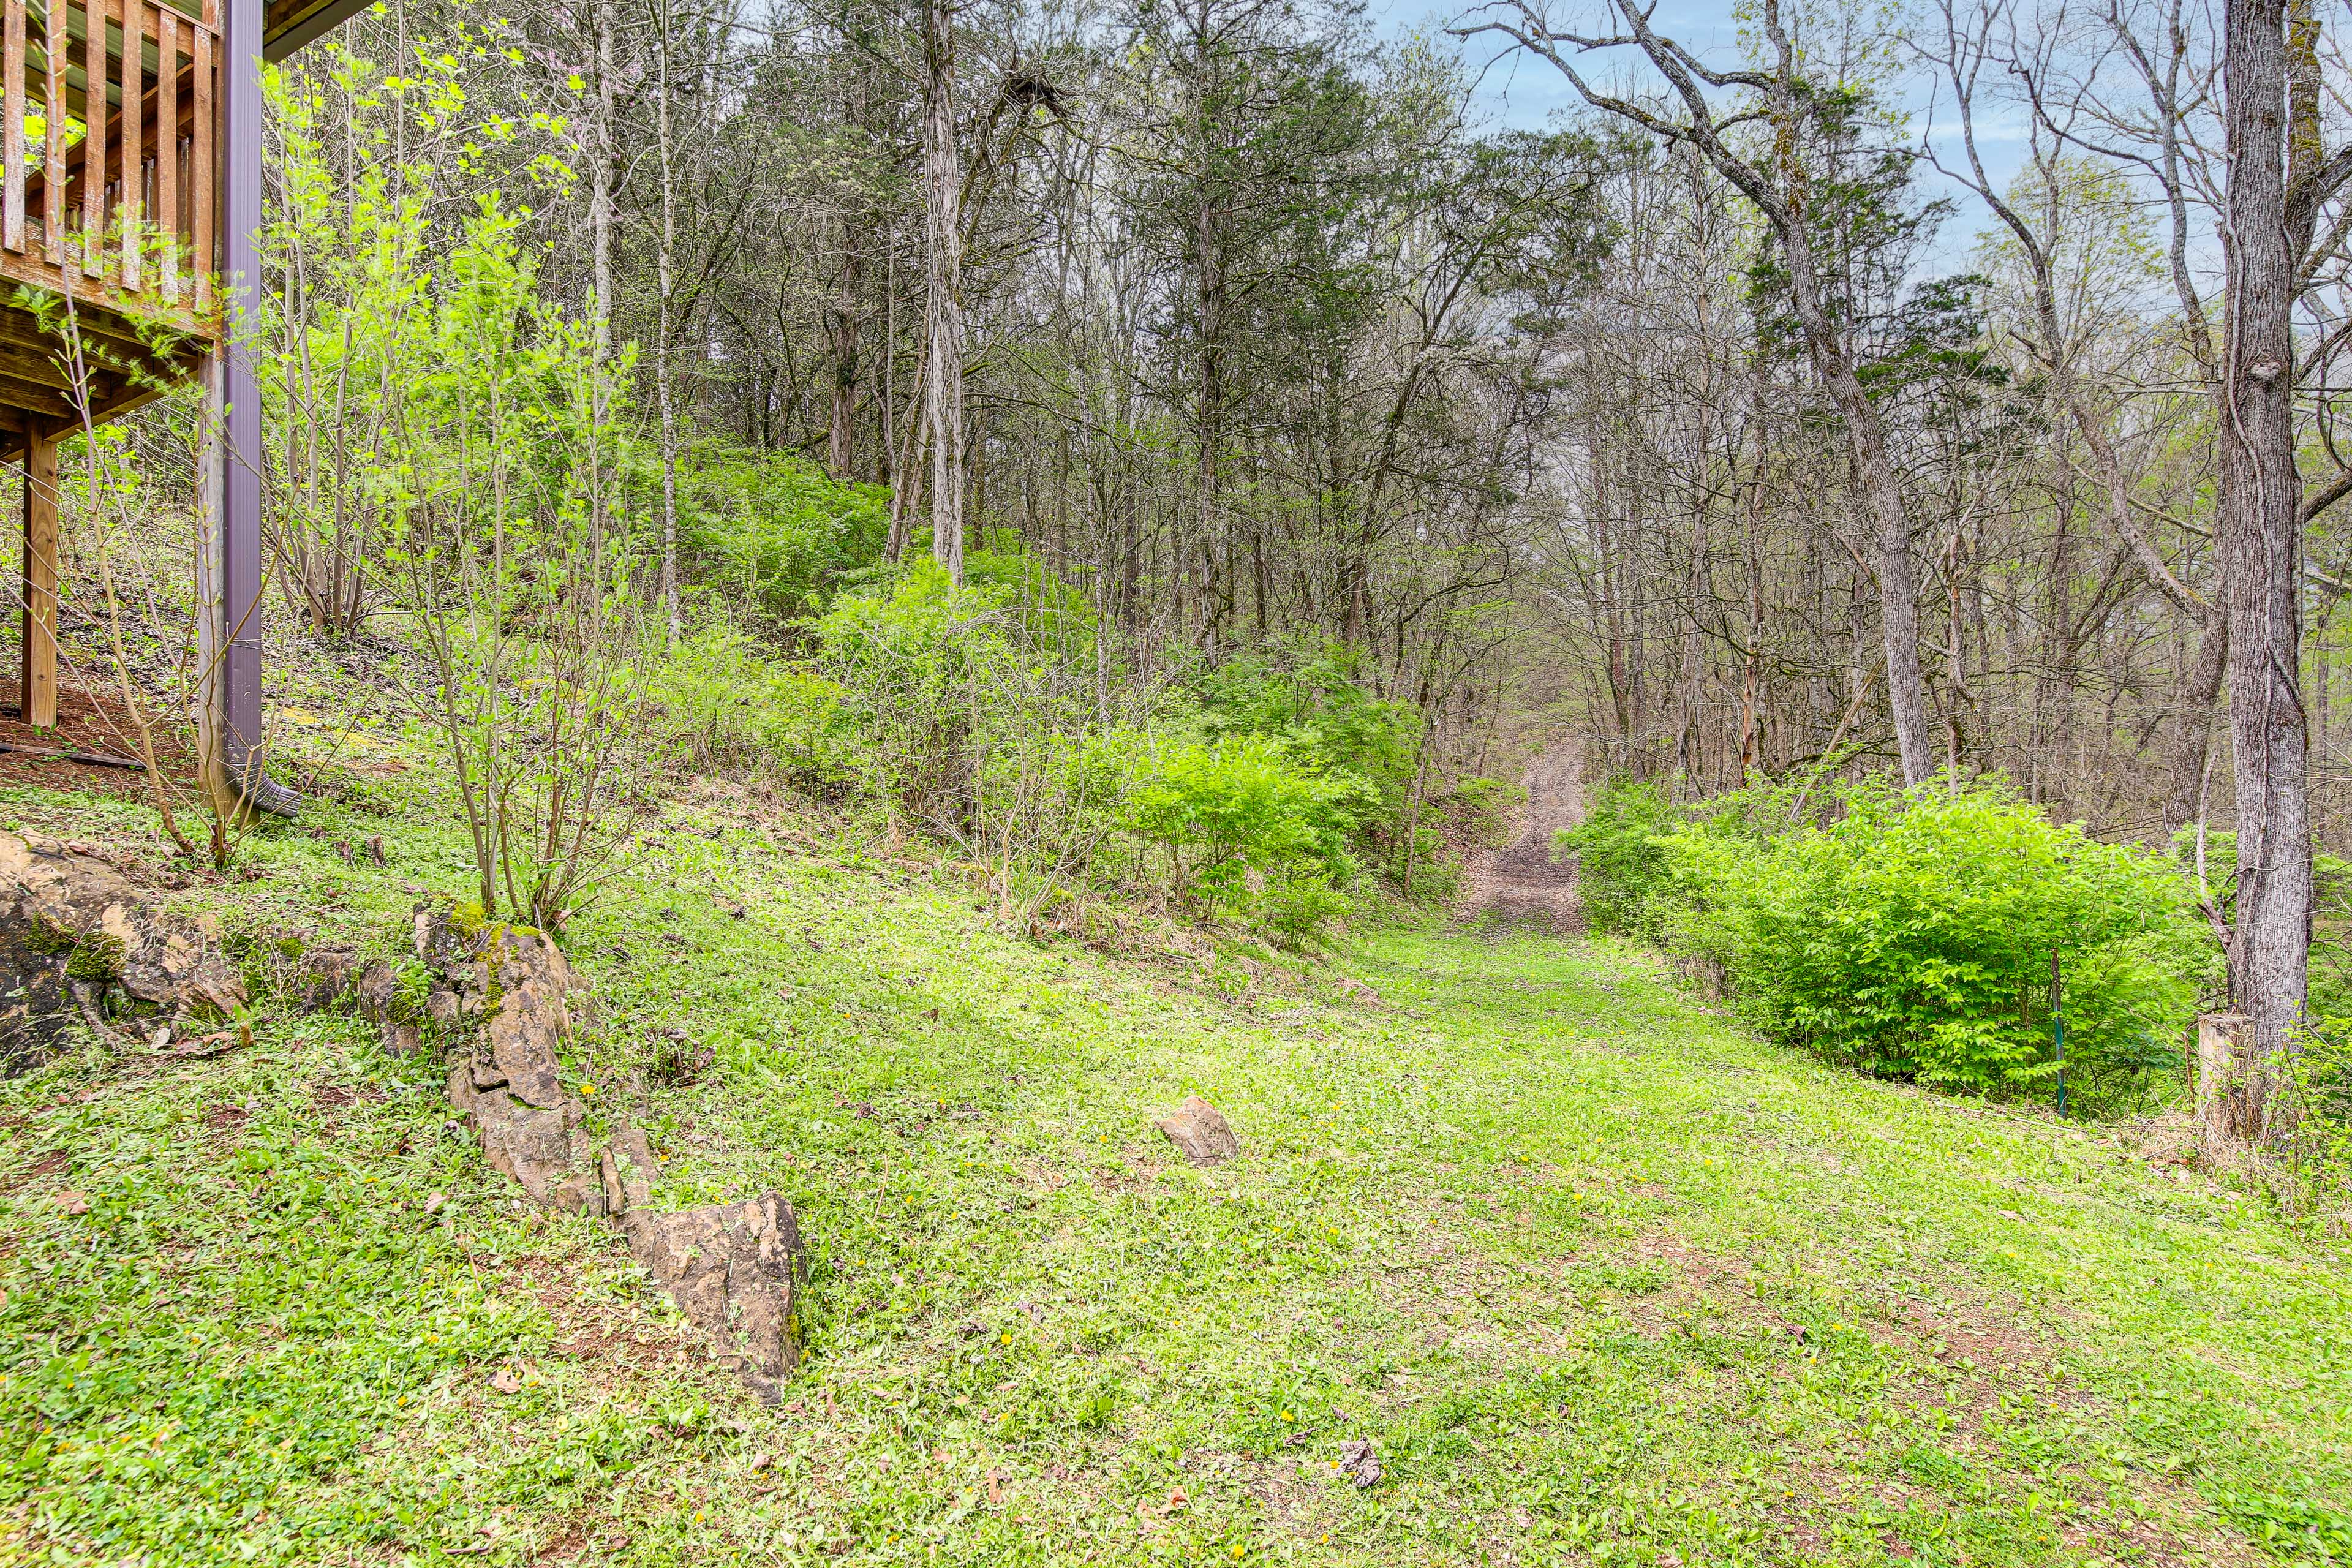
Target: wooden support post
x,y
168,205
13,102
53,140
133,202
37,677
235,577
240,527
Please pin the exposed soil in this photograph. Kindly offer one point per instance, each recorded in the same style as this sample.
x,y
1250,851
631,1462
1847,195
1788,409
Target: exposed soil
x,y
1521,883
90,722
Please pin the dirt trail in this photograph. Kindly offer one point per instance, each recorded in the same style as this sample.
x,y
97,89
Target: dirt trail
x,y
1520,882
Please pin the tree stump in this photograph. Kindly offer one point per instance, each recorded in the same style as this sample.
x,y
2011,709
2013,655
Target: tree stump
x,y
2233,1089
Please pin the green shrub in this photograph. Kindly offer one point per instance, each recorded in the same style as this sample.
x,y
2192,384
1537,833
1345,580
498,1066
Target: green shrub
x,y
1234,810
1234,805
981,714
936,675
732,701
1911,937
1314,699
773,529
1302,907
1622,858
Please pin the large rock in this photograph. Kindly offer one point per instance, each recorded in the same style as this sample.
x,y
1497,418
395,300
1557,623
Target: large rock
x,y
528,1016
543,1148
1198,1129
68,919
735,1270
506,1078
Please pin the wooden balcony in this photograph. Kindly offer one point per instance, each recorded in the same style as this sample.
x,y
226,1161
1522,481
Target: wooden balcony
x,y
129,186
108,179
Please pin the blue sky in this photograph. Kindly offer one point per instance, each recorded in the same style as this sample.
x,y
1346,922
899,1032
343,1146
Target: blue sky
x,y
1522,91
1519,91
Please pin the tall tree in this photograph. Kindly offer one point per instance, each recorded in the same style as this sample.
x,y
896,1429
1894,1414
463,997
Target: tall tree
x,y
1789,103
943,295
2261,515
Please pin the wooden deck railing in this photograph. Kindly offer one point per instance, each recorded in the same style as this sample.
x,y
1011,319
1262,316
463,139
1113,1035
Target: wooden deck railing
x,y
111,200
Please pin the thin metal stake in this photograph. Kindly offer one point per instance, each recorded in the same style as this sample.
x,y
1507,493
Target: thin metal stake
x,y
2058,1033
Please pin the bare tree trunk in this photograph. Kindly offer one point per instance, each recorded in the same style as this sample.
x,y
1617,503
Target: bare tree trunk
x,y
943,311
841,434
665,258
841,427
1895,565
603,164
1208,409
2262,534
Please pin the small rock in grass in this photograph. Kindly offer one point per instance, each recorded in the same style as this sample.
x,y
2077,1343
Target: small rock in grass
x,y
377,991
1196,1128
628,1170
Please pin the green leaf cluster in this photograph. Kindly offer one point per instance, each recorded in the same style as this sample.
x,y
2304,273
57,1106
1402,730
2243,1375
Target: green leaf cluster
x,y
1911,933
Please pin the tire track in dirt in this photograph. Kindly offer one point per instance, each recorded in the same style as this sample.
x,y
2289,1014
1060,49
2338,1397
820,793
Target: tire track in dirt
x,y
1520,883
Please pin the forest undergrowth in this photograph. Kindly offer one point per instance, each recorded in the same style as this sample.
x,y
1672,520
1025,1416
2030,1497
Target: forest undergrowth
x,y
1602,1276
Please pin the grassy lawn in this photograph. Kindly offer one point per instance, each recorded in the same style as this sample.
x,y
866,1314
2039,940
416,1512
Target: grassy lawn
x,y
1602,1278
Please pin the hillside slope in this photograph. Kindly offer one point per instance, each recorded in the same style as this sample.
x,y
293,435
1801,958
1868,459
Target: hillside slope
x,y
1599,1277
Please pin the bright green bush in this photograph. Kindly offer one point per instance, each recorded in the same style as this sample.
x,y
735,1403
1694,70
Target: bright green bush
x,y
1301,907
775,529
1911,937
939,677
1314,700
1621,858
982,717
1238,803
733,701
1235,810
987,715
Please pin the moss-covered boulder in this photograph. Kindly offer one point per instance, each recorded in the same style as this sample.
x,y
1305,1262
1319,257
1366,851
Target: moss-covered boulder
x,y
73,931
